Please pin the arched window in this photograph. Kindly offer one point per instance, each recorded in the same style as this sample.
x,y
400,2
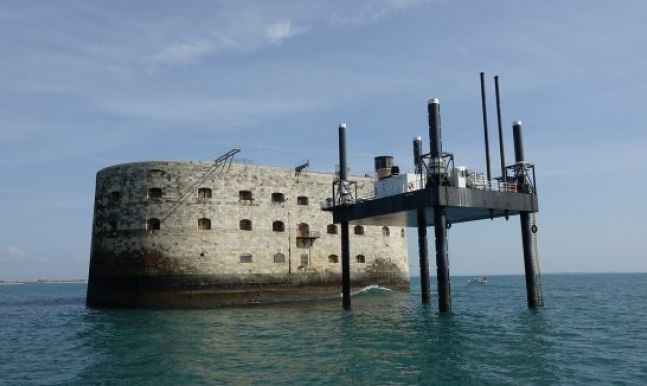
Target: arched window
x,y
153,224
278,226
302,200
204,224
386,232
154,193
303,230
245,196
360,259
333,259
279,258
358,230
245,225
278,198
204,193
331,229
246,258
304,259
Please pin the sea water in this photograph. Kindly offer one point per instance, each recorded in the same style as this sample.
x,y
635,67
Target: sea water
x,y
593,330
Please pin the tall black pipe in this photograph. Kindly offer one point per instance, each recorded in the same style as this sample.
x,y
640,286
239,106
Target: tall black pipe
x,y
440,216
417,153
504,176
485,129
423,253
532,292
345,244
518,142
343,169
435,142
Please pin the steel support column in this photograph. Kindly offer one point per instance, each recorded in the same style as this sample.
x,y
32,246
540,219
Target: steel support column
x,y
526,227
345,265
442,260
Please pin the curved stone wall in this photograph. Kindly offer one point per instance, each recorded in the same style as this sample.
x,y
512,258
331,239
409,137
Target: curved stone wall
x,y
177,234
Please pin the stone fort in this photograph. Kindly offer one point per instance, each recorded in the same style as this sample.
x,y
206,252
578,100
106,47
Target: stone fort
x,y
203,234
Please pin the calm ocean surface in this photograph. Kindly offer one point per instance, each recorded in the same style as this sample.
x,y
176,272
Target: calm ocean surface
x,y
593,330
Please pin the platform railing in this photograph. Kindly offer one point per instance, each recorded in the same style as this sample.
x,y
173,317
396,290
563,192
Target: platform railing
x,y
493,186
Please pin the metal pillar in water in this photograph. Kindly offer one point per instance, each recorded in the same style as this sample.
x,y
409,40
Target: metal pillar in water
x,y
533,284
423,253
440,215
343,195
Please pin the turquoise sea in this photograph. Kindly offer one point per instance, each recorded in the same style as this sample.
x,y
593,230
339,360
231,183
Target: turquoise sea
x,y
593,330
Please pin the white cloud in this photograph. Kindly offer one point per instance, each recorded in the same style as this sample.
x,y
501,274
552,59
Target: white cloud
x,y
184,52
15,251
280,31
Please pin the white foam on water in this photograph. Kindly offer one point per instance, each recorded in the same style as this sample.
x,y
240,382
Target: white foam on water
x,y
372,287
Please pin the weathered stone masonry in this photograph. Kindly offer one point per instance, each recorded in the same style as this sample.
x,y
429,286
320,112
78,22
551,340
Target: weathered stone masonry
x,y
176,234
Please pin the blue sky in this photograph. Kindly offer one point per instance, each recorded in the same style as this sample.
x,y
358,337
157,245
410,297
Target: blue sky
x,y
87,84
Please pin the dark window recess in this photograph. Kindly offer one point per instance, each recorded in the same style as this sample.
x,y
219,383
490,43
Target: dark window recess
x,y
204,224
154,192
245,225
302,200
278,198
112,225
153,224
304,243
278,226
402,232
360,259
279,258
333,259
204,193
304,259
303,230
114,197
246,258
331,229
245,196
358,230
386,232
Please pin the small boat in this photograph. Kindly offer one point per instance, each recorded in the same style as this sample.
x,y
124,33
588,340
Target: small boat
x,y
478,280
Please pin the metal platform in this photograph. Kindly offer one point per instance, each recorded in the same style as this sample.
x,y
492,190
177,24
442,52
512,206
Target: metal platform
x,y
462,205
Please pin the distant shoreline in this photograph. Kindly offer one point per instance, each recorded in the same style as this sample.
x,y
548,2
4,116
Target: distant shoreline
x,y
44,281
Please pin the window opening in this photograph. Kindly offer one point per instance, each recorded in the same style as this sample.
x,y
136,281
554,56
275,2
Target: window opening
x,y
153,224
245,225
278,198
204,224
204,193
279,258
278,226
155,193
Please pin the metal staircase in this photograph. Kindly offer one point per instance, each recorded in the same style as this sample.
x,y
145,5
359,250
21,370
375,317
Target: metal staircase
x,y
221,164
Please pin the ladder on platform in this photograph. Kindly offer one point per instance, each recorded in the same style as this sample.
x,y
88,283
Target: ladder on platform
x,y
536,260
221,165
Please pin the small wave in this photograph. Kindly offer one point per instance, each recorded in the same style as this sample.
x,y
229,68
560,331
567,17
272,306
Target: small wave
x,y
368,289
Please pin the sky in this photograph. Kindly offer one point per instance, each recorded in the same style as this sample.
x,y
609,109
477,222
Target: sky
x,y
87,84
